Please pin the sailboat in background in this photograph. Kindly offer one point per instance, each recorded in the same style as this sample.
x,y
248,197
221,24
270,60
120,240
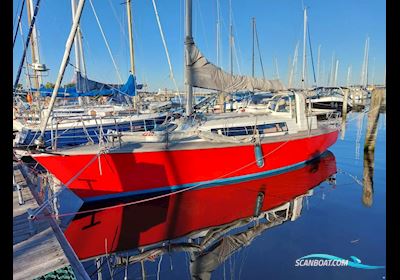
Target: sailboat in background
x,y
198,150
87,123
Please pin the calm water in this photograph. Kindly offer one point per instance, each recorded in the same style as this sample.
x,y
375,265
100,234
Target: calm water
x,y
223,233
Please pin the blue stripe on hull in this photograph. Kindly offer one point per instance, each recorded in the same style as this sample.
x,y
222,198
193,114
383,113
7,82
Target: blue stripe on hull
x,y
204,184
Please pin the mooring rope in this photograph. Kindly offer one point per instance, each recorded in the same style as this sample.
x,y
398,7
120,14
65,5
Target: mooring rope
x,y
106,42
171,73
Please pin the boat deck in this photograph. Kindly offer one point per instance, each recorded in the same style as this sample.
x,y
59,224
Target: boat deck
x,y
191,143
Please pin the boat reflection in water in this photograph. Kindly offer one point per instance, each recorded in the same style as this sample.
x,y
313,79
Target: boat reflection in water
x,y
209,223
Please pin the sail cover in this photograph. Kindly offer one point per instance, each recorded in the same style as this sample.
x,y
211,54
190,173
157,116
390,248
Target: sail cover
x,y
207,75
87,87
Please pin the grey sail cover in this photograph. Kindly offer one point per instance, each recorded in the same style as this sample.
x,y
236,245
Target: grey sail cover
x,y
207,75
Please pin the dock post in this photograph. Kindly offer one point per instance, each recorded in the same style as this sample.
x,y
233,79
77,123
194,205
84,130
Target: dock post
x,y
344,112
369,146
32,229
345,100
373,117
19,191
368,175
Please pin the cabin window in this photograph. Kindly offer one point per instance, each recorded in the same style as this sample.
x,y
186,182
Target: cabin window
x,y
272,127
249,130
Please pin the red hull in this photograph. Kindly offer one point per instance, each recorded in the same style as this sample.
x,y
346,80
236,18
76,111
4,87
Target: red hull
x,y
132,226
141,172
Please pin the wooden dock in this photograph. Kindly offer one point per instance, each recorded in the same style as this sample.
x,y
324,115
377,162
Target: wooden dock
x,y
39,246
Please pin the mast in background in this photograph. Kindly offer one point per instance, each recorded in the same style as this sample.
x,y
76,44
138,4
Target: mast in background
x,y
348,75
131,50
230,37
303,72
252,54
364,70
34,48
218,34
336,73
294,65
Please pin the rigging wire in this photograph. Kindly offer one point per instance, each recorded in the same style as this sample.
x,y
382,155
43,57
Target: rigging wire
x,y
119,22
123,36
236,57
16,12
139,49
106,42
259,51
202,24
234,42
311,53
171,72
19,20
26,68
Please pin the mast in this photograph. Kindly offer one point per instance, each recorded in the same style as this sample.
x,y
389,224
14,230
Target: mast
x,y
294,65
64,62
34,47
364,70
77,69
366,65
76,47
276,68
259,51
188,44
26,44
303,73
252,56
318,62
288,67
218,33
332,73
81,55
336,73
230,37
80,66
348,75
131,51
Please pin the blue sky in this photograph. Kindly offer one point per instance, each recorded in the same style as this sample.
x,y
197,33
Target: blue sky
x,y
339,26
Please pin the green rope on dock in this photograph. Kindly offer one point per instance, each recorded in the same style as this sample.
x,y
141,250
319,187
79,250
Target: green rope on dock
x,y
65,273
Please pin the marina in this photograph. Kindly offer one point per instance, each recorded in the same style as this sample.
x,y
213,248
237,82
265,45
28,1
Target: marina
x,y
217,175
346,174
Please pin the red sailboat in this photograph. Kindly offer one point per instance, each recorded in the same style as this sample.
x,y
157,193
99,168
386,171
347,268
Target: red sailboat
x,y
199,150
